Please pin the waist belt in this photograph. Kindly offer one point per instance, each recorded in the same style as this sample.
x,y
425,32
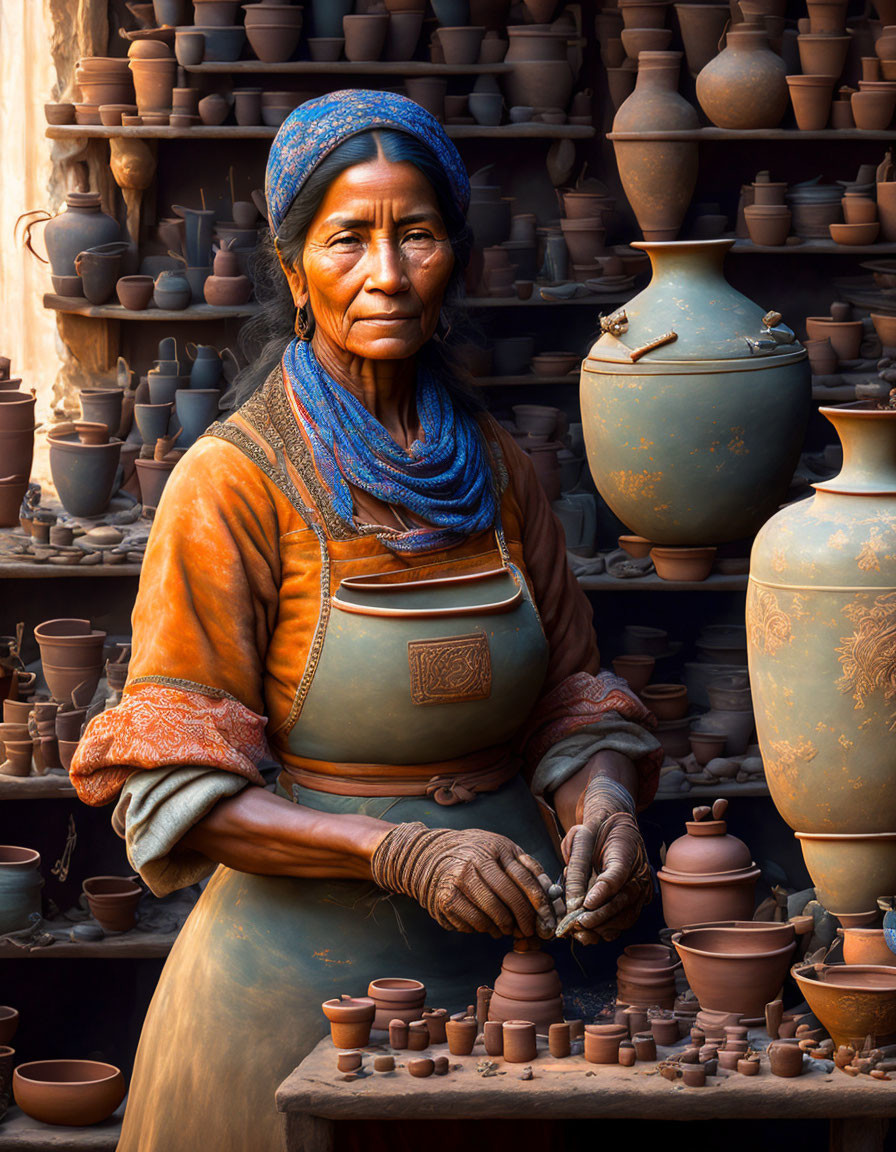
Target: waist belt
x,y
447,782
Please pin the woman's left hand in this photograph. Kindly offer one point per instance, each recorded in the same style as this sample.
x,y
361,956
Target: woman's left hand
x,y
608,878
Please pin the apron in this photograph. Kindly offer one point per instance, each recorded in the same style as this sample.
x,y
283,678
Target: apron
x,y
450,666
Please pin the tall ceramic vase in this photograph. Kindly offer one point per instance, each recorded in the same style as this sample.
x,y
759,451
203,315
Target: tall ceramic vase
x,y
693,441
658,176
821,629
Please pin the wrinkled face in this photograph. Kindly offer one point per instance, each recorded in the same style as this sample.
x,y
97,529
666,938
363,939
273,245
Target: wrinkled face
x,y
376,262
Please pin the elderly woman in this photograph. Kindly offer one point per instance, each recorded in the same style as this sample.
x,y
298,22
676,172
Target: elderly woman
x,y
362,672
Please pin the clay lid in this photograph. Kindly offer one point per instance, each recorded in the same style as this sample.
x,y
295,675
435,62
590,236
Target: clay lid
x,y
707,847
528,962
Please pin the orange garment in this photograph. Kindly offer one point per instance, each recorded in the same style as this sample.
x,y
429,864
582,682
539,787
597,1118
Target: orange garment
x,y
232,608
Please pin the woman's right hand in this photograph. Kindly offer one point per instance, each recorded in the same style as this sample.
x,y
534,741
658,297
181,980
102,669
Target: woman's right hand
x,y
469,880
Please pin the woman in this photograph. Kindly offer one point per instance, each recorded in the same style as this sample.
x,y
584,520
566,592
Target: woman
x,y
356,587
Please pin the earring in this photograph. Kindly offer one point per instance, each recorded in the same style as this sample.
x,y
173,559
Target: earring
x,y
303,323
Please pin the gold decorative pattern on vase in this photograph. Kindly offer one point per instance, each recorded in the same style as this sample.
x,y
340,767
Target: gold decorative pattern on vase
x,y
868,657
787,758
768,624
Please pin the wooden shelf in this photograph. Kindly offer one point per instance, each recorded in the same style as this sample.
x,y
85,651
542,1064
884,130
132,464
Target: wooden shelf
x,y
523,381
345,68
19,1133
818,248
716,582
263,132
78,306
50,787
133,945
705,791
32,571
593,299
765,135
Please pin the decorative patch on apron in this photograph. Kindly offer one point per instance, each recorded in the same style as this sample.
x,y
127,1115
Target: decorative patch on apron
x,y
450,670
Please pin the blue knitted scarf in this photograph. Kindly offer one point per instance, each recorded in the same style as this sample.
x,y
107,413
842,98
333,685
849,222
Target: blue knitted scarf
x,y
443,478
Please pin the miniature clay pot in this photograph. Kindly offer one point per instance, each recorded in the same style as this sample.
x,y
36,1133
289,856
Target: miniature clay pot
x,y
348,1061
559,1040
636,670
396,999
461,1036
866,946
273,30
113,901
823,56
811,98
873,110
665,1030
658,176
418,1036
685,564
9,1022
785,1058
728,971
852,1001
365,36
134,292
519,1041
706,746
602,1042
859,209
421,1067
153,83
398,1034
644,1044
845,335
666,701
527,987
70,1092
435,1024
20,885
350,1019
460,45
172,291
745,86
493,1037
19,755
12,493
84,474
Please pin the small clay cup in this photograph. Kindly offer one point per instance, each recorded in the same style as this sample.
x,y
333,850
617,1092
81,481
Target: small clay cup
x,y
493,1036
134,292
461,1036
559,1040
602,1042
694,1075
627,1054
350,1020
112,900
785,1058
418,1036
435,1025
636,670
384,1063
519,1042
748,1066
665,1030
644,1045
398,1035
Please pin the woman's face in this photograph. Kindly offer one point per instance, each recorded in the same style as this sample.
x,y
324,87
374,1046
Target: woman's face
x,y
376,262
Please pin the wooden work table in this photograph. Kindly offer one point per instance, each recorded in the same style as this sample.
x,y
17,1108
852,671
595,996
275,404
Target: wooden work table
x,y
315,1095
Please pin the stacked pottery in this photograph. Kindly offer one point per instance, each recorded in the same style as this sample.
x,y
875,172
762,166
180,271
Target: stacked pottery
x,y
820,622
730,365
542,77
154,80
102,406
99,270
814,207
365,36
45,720
844,333
84,468
396,998
17,428
528,988
489,213
20,885
199,226
226,287
708,875
71,653
101,80
644,27
273,29
745,86
645,976
822,51
658,176
730,713
196,406
621,70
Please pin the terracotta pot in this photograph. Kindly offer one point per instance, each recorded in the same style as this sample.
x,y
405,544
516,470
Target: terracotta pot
x,y
396,999
17,451
20,885
134,292
222,45
152,476
227,291
16,415
827,17
768,226
665,1030
682,563
403,34
730,972
12,493
461,1036
584,238
528,42
247,105
706,746
153,83
519,1041
859,209
429,93
621,83
666,701
461,45
823,55
9,1022
19,755
702,27
785,1058
873,110
644,13
851,234
885,327
602,1042
744,86
350,1019
559,1040
273,31
70,642
811,99
113,901
845,335
365,36
647,989
636,670
707,876
70,723
851,1001
817,620
850,870
539,83
638,40
421,1067
822,357
527,987
99,272
658,176
189,47
84,475
866,946
73,1092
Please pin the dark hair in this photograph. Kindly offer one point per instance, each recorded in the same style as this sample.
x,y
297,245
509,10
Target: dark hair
x,y
264,337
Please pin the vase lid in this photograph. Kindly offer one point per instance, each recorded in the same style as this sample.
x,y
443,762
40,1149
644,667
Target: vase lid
x,y
707,847
711,321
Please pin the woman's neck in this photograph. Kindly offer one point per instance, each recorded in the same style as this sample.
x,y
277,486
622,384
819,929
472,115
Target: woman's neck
x,y
386,388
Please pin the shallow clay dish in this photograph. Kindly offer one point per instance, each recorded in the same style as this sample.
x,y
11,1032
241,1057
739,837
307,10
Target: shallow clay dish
x,y
852,1001
854,233
75,1092
683,563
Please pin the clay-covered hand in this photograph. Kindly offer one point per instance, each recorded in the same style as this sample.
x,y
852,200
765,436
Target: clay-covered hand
x,y
608,877
469,880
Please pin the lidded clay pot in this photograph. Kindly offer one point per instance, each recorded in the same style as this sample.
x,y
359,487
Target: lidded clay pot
x,y
528,988
707,875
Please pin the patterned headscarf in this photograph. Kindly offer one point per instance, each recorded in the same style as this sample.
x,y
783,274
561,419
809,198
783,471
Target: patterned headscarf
x,y
315,128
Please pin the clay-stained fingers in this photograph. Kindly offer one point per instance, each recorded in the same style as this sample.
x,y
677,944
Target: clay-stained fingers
x,y
465,916
578,867
621,922
516,912
629,895
525,871
619,856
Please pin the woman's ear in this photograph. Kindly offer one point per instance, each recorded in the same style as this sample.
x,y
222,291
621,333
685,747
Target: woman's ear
x,y
295,277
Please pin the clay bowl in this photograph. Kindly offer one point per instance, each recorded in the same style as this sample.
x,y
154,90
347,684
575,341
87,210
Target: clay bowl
x,y
59,113
866,946
111,114
554,363
872,109
396,998
635,670
636,546
852,1001
850,870
729,970
854,233
683,563
75,1092
885,327
113,901
666,701
9,1022
638,40
706,746
135,292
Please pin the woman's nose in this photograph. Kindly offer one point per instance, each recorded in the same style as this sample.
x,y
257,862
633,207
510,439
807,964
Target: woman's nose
x,y
385,268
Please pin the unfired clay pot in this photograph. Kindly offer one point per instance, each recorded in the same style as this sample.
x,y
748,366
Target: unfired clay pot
x,y
396,998
658,176
528,988
744,86
519,1041
866,946
602,1042
461,1035
729,971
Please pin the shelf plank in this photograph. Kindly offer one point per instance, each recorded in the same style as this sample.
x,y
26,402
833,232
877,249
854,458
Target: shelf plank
x,y
593,300
715,582
53,786
817,248
523,381
715,791
263,132
19,1133
345,68
765,135
31,571
133,945
78,306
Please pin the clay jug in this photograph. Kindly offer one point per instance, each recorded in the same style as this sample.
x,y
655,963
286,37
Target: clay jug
x,y
694,490
821,622
658,176
20,885
82,225
745,86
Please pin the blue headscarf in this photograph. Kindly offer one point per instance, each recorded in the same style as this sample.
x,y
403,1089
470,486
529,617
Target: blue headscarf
x,y
445,477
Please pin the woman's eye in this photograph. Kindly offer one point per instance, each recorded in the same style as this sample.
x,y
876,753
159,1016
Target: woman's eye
x,y
418,237
344,241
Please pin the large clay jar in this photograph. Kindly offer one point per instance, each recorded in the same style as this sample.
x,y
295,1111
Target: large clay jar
x,y
707,875
744,86
82,225
658,176
821,621
709,458
20,885
528,988
84,474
